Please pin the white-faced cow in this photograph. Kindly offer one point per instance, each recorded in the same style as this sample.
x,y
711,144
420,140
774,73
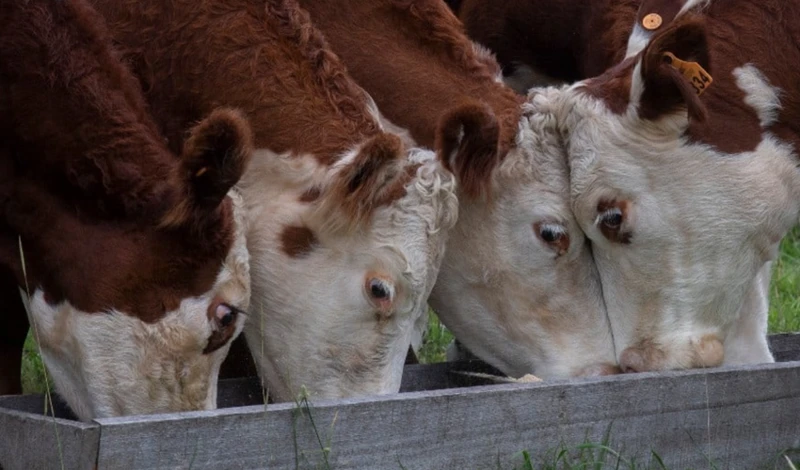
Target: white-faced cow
x,y
517,287
131,259
684,174
347,225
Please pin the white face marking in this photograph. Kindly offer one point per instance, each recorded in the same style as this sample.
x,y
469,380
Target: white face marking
x,y
701,223
314,322
759,94
504,292
107,364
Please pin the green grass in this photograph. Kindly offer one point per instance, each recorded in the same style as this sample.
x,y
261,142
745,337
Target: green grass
x,y
437,338
784,302
32,368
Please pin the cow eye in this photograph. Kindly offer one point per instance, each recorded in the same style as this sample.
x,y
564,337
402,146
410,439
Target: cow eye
x,y
612,218
379,289
554,235
551,233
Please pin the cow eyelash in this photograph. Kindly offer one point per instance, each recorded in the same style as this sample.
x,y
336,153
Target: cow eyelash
x,y
612,218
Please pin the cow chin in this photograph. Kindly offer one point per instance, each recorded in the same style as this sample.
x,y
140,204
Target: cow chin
x,y
109,364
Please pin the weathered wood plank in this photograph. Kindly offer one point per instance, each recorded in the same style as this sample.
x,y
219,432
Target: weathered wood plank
x,y
785,346
417,377
738,417
32,441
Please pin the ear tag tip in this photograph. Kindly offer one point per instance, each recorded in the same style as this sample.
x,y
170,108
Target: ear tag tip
x,y
201,172
693,72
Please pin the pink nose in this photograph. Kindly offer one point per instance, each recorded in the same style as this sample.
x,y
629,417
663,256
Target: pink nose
x,y
597,370
633,360
706,351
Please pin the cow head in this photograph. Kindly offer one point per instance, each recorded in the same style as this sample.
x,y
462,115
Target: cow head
x,y
135,311
518,286
344,257
682,227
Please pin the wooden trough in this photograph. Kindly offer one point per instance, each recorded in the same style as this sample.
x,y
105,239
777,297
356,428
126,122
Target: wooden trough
x,y
733,417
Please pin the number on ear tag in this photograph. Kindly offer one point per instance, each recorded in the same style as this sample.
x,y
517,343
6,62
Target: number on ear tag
x,y
691,71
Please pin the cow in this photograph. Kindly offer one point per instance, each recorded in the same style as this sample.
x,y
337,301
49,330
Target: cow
x,y
518,287
347,223
550,42
129,260
684,175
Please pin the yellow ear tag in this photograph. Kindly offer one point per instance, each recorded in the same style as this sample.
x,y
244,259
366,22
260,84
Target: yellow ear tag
x,y
691,71
200,173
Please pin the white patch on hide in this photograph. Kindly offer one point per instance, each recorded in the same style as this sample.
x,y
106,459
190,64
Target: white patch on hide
x,y
637,41
692,4
759,94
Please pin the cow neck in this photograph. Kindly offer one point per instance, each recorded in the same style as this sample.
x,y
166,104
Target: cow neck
x,y
268,61
91,177
730,50
567,40
415,66
737,32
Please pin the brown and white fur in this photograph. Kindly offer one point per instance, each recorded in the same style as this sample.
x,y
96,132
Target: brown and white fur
x,y
517,287
131,260
347,225
684,196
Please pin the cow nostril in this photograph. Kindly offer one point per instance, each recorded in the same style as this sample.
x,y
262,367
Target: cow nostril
x,y
632,360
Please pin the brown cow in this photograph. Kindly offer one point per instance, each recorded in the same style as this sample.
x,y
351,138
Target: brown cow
x,y
347,224
517,286
684,160
131,259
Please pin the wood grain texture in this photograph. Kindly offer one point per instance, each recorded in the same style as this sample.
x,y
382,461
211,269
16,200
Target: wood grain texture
x,y
738,417
30,440
416,378
785,346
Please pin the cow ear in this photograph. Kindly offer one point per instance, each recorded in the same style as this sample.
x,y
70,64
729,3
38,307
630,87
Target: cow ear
x,y
467,144
215,156
375,176
676,70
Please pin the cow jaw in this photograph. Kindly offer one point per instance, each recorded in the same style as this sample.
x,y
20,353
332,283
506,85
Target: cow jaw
x,y
107,364
521,298
334,311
